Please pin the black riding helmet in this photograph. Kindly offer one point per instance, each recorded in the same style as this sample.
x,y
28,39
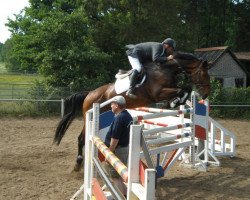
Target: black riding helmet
x,y
170,42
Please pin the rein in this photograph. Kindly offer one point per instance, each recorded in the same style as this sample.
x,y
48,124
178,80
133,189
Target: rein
x,y
180,67
188,76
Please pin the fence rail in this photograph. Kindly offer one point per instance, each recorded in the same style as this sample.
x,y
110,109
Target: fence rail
x,y
229,105
61,101
38,100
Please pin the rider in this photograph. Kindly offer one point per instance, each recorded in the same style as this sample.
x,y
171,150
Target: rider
x,y
147,52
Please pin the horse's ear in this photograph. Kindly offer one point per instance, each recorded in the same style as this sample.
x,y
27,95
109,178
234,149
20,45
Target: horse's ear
x,y
207,64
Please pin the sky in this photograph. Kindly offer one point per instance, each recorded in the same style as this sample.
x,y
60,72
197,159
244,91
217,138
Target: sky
x,y
7,9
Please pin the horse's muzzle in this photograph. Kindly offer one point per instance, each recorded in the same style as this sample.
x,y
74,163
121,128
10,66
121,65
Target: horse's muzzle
x,y
204,96
204,91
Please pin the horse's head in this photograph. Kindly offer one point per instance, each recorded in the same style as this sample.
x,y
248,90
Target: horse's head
x,y
201,78
197,70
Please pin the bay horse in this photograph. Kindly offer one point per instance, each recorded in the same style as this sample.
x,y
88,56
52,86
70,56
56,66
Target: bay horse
x,y
160,85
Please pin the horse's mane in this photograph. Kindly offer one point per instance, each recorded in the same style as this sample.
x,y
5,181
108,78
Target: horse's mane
x,y
185,56
167,65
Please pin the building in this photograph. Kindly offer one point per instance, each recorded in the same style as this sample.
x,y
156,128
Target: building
x,y
225,67
244,58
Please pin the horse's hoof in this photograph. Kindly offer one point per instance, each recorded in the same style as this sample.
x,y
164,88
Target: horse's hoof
x,y
78,167
79,163
132,96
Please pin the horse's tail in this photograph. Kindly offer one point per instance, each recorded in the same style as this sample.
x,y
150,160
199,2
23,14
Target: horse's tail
x,y
71,105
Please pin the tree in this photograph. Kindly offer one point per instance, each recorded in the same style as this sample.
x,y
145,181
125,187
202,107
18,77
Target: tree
x,y
1,52
83,42
242,12
11,63
53,38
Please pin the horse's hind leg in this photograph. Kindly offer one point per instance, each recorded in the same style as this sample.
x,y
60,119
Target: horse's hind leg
x,y
79,159
96,96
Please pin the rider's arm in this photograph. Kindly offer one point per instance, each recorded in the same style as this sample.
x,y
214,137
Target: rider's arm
x,y
158,53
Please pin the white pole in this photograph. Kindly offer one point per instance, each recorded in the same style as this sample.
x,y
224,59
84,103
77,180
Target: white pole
x,y
133,159
207,136
149,193
192,147
88,161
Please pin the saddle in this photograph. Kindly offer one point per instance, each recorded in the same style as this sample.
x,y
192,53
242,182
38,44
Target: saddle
x,y
127,73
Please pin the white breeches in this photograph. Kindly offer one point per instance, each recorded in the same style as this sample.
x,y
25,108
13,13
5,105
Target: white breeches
x,y
135,63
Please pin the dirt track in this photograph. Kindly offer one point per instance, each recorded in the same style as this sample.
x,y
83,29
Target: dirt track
x,y
31,167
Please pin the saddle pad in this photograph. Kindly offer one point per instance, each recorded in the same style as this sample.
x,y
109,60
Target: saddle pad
x,y
122,85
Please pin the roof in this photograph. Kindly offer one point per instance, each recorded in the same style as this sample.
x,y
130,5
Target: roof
x,y
213,54
243,55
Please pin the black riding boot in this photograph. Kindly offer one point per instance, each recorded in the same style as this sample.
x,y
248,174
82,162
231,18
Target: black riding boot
x,y
133,81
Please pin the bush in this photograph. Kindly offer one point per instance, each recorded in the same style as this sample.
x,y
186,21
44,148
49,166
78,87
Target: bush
x,y
229,96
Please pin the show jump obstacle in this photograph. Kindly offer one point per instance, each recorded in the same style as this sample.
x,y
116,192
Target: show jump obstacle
x,y
129,174
151,138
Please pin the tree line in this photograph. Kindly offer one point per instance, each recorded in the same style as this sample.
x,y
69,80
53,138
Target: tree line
x,y
82,43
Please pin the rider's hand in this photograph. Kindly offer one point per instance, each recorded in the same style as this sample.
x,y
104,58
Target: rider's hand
x,y
171,57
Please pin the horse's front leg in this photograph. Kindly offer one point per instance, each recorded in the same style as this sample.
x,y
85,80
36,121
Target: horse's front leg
x,y
176,96
185,94
81,143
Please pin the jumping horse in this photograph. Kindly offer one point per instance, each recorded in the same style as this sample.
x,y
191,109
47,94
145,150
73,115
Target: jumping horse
x,y
160,85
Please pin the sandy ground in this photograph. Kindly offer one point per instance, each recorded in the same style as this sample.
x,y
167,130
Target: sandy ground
x,y
31,167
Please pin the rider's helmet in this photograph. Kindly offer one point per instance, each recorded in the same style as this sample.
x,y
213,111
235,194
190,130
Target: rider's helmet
x,y
170,42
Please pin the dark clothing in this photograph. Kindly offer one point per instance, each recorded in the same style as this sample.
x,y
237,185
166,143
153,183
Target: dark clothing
x,y
147,52
119,129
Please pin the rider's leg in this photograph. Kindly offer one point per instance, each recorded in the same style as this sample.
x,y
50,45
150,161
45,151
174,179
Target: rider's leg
x,y
136,65
133,81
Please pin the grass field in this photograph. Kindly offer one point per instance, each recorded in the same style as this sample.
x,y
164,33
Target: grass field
x,y
19,78
15,78
15,85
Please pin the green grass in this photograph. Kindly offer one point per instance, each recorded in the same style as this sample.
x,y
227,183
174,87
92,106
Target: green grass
x,y
16,85
2,68
19,78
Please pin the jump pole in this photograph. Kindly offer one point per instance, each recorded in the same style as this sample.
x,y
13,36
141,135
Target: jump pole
x,y
136,189
196,117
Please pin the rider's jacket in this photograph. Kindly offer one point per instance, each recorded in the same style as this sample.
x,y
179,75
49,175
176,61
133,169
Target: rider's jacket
x,y
147,52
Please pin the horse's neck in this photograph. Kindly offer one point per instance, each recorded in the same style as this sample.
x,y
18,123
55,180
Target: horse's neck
x,y
187,65
171,68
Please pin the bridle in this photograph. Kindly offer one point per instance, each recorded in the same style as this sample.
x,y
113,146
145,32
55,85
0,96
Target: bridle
x,y
189,76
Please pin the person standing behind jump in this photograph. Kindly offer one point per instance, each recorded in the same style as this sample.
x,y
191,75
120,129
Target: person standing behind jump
x,y
117,138
147,52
